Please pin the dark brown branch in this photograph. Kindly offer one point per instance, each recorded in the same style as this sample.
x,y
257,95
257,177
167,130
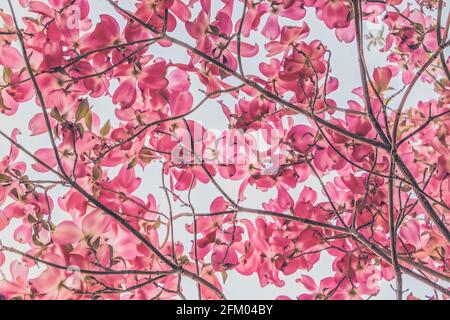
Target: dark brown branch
x,y
37,90
393,233
239,34
422,126
269,95
411,86
362,71
158,122
439,38
80,270
122,221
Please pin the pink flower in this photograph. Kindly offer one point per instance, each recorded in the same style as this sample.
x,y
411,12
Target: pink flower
x,y
151,78
317,293
18,286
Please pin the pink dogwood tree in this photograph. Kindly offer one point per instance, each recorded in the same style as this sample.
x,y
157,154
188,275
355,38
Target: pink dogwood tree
x,y
381,202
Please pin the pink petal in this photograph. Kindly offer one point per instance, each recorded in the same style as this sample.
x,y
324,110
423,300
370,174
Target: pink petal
x,y
308,282
23,234
48,281
125,94
106,33
382,77
10,57
180,103
247,50
95,223
271,29
67,232
3,221
47,156
37,124
153,78
218,205
14,210
178,80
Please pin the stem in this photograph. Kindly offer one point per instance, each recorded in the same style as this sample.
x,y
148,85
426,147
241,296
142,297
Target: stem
x,y
122,221
83,271
362,72
406,270
393,233
411,86
439,38
239,33
269,95
37,89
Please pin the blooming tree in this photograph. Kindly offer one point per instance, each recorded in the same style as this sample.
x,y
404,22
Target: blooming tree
x,y
379,203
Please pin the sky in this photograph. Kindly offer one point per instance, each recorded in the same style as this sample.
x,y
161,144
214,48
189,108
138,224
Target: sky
x,y
344,67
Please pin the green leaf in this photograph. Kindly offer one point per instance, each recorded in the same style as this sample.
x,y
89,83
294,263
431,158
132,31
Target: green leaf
x,y
36,241
146,155
96,244
7,73
224,276
15,193
3,107
83,110
419,28
132,164
39,215
80,129
56,115
46,226
183,259
96,172
105,129
32,219
157,224
5,179
88,120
